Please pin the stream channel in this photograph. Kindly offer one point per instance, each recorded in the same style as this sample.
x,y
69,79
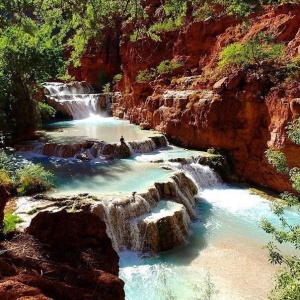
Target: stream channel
x,y
223,253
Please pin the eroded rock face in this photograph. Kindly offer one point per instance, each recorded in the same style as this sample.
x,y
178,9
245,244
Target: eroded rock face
x,y
77,232
244,113
68,256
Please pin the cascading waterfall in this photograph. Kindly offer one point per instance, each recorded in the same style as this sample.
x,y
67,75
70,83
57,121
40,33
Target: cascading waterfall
x,y
76,99
202,176
155,221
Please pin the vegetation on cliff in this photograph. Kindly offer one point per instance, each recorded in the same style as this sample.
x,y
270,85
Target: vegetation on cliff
x,y
34,35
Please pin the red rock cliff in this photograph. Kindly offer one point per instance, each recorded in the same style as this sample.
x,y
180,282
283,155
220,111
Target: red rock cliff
x,y
245,115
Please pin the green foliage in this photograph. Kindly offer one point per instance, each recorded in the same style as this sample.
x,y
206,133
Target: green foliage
x,y
287,281
10,222
117,78
287,285
293,131
167,66
254,51
46,111
277,160
32,179
5,179
167,25
204,11
238,8
146,75
295,178
29,53
106,88
28,178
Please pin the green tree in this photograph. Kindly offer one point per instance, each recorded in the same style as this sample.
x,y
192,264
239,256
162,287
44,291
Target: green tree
x,y
287,279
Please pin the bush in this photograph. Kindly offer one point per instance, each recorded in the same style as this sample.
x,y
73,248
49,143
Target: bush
x,y
46,111
277,160
167,66
254,51
168,25
146,75
117,78
5,178
293,131
10,222
106,88
32,179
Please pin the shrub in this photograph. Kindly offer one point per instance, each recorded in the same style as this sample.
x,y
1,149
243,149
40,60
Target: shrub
x,y
167,66
10,222
287,278
168,25
254,51
146,75
293,131
106,88
46,111
295,178
277,160
33,178
5,178
117,78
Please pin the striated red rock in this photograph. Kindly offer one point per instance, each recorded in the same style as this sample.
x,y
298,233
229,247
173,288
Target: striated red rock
x,y
246,114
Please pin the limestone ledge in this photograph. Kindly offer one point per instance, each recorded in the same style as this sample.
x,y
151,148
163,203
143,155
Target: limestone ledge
x,y
125,215
93,149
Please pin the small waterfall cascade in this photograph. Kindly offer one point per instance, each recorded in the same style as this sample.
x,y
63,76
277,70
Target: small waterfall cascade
x,y
76,99
154,221
202,176
148,145
91,149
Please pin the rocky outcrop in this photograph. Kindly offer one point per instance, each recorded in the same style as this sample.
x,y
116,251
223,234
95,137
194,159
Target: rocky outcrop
x,y
125,216
93,149
244,113
68,256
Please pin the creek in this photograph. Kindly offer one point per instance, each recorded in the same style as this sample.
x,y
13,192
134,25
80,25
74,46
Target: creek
x,y
221,252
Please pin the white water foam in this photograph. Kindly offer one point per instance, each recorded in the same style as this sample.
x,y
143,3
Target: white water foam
x,y
77,99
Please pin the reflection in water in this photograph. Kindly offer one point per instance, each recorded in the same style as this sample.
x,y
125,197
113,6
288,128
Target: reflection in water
x,y
96,128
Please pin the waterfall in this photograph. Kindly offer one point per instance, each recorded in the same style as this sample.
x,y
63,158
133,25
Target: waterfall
x,y
154,221
148,145
76,99
202,176
90,149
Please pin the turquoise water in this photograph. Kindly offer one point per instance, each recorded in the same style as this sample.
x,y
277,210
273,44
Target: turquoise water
x,y
98,128
225,243
226,215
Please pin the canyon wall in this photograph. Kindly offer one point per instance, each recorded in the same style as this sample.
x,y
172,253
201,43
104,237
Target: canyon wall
x,y
244,113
